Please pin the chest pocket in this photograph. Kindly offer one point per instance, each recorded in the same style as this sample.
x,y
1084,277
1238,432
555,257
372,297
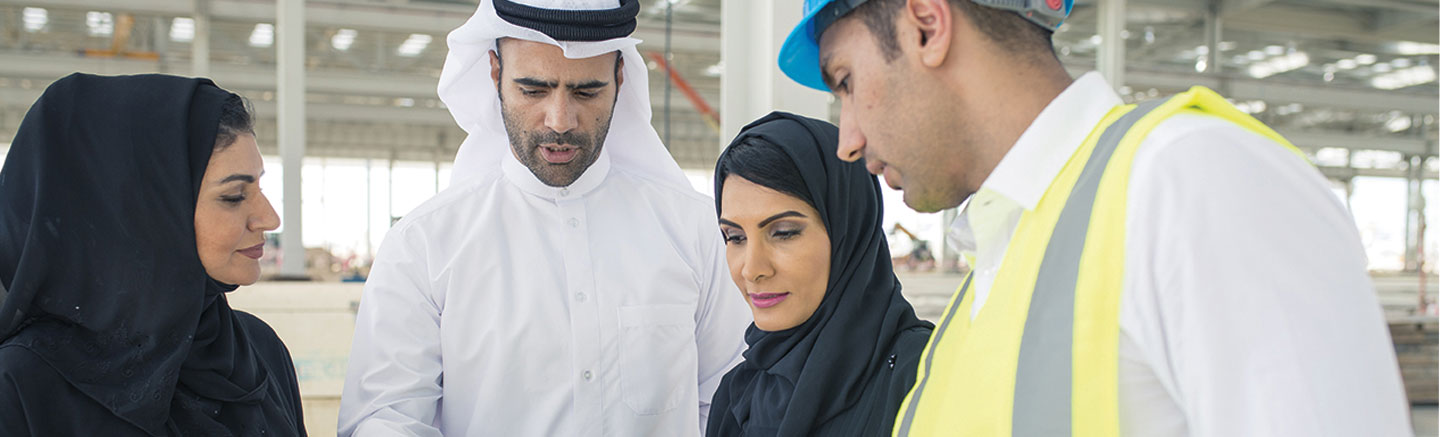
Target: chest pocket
x,y
657,356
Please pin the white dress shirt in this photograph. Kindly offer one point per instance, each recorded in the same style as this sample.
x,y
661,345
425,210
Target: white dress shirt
x,y
506,307
1247,308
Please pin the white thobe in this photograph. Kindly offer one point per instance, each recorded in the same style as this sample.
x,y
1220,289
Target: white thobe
x,y
1247,309
506,307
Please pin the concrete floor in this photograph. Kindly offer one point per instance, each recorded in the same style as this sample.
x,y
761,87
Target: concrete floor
x,y
316,321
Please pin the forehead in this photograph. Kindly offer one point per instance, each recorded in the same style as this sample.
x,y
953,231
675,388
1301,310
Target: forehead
x,y
844,40
530,56
241,156
744,201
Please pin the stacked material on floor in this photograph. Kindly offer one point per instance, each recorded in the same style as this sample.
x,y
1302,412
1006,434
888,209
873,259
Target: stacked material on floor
x,y
1417,346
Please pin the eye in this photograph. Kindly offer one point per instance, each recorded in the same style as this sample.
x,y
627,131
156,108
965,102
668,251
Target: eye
x,y
586,95
531,92
733,237
233,200
785,234
843,86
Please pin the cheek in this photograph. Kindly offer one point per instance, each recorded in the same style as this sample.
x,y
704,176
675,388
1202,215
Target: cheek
x,y
216,234
734,261
812,263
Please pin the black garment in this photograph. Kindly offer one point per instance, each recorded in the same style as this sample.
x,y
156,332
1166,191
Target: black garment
x,y
110,325
832,375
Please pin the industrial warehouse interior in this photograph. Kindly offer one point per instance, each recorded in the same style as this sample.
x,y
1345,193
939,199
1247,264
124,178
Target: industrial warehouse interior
x,y
1352,83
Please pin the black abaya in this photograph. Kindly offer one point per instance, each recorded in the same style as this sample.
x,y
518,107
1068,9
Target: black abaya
x,y
110,325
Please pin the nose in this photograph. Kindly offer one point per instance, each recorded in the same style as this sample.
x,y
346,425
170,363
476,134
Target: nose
x,y
852,141
560,114
265,219
756,265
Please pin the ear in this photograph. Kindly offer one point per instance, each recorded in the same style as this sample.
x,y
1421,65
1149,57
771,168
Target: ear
x,y
495,69
933,24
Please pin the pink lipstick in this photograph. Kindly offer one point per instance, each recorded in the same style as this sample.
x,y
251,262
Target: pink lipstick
x,y
767,300
254,252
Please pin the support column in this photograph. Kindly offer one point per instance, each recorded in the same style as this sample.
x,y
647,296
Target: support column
x,y
290,93
1111,57
1414,211
752,84
200,46
1213,36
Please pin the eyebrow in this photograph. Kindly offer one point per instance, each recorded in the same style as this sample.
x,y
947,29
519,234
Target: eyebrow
x,y
767,221
825,72
550,84
239,177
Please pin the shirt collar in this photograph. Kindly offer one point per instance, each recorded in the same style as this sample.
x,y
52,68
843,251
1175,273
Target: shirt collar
x,y
521,176
1027,169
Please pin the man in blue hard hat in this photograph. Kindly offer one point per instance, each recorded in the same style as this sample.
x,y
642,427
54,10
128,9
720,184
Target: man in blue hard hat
x,y
1170,268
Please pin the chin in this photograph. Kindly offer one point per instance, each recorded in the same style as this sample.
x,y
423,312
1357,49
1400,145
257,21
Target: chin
x,y
241,276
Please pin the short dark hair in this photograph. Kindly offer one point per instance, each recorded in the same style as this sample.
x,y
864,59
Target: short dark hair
x,y
236,119
762,162
1005,28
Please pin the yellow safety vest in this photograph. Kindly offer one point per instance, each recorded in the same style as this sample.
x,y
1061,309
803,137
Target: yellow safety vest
x,y
1043,358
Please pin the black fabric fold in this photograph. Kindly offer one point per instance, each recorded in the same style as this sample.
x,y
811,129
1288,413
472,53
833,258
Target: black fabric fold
x,y
832,374
572,25
106,288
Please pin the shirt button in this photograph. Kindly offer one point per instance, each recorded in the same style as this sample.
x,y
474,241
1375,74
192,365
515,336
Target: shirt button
x,y
587,375
574,222
579,297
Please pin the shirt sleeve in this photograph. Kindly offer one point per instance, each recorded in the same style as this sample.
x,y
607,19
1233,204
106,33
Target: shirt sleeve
x,y
720,321
1247,290
393,382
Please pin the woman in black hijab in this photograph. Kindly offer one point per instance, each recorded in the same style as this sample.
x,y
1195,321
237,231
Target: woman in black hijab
x,y
129,206
834,347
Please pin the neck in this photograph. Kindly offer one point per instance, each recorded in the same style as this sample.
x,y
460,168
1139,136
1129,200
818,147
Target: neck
x,y
1005,95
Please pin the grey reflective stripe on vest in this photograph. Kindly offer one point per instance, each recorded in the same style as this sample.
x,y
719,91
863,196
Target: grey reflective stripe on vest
x,y
930,356
1043,379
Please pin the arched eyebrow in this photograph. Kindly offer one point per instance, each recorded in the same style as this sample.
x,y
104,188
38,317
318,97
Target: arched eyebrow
x,y
768,220
238,177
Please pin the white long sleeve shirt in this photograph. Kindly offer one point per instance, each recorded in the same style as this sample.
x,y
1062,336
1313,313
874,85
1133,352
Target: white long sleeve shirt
x,y
1247,309
505,307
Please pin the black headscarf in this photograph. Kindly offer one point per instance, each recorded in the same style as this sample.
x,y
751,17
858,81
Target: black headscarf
x,y
97,251
795,380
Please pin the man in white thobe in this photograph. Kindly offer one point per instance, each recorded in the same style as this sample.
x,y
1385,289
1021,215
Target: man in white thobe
x,y
570,282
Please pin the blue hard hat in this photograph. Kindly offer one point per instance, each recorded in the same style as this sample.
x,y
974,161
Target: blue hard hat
x,y
800,55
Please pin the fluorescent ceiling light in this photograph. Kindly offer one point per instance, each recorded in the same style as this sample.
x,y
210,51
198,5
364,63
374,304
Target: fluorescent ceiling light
x,y
343,39
1364,59
1279,64
35,19
182,29
414,45
263,35
1411,48
1404,77
99,23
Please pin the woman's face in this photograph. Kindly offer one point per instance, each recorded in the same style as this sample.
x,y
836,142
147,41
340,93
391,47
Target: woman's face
x,y
232,215
778,250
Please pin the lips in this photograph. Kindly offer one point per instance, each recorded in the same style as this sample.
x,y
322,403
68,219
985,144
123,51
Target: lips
x,y
767,300
254,252
559,154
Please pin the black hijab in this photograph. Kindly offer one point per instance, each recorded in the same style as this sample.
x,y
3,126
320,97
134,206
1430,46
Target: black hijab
x,y
797,380
97,251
